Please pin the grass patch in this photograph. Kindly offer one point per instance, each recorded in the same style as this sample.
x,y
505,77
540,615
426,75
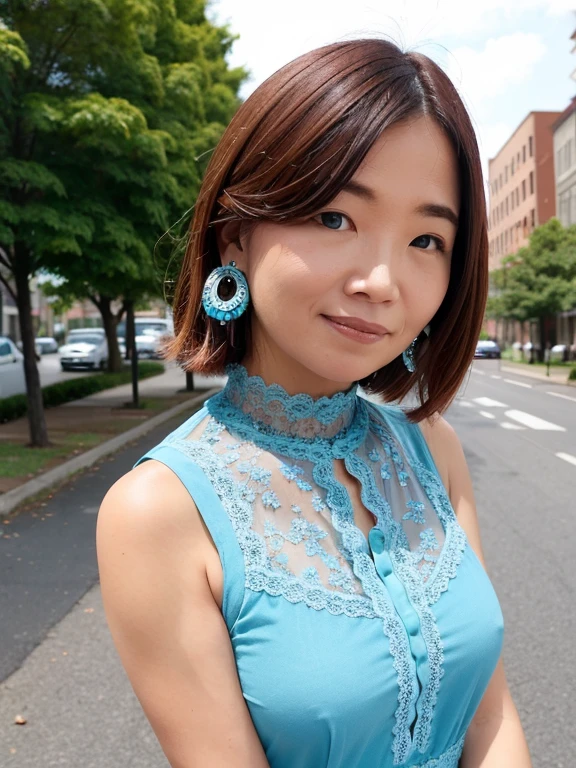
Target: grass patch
x,y
17,460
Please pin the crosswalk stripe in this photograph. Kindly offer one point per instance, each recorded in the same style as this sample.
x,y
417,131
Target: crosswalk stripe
x,y
493,376
527,420
567,457
519,383
487,402
509,425
487,414
564,397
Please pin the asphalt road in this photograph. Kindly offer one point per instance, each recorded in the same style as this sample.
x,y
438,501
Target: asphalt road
x,y
60,669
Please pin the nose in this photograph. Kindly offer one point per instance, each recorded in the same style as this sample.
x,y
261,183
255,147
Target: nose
x,y
376,283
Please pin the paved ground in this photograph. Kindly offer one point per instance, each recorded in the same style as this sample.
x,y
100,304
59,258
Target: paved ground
x,y
59,667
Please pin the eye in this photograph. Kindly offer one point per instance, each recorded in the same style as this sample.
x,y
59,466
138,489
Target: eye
x,y
333,220
426,240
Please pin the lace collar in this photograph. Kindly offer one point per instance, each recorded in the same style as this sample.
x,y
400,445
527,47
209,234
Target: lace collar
x,y
269,410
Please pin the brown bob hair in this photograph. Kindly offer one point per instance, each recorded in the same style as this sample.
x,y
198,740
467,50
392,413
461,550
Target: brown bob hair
x,y
290,148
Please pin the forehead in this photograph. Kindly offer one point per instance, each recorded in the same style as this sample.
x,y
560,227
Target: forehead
x,y
412,160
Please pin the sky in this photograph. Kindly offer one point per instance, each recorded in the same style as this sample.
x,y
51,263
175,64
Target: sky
x,y
505,61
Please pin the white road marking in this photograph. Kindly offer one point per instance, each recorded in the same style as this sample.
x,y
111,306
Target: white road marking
x,y
533,421
464,403
487,402
567,457
480,373
487,414
493,376
509,425
519,383
565,397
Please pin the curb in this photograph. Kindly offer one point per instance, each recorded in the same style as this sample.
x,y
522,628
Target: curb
x,y
11,499
535,375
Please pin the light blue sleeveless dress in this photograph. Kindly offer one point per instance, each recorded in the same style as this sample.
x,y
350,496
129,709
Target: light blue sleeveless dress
x,y
351,653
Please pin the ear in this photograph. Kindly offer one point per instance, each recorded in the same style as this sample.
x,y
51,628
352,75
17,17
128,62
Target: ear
x,y
229,245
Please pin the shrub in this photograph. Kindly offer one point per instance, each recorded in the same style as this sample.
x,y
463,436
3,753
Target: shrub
x,y
73,389
572,374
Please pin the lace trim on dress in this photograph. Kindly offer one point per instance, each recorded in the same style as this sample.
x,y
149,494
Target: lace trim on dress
x,y
269,409
260,575
448,760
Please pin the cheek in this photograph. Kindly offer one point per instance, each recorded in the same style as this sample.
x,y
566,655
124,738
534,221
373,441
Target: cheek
x,y
280,282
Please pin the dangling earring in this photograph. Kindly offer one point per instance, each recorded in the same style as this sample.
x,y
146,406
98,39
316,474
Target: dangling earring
x,y
408,354
225,295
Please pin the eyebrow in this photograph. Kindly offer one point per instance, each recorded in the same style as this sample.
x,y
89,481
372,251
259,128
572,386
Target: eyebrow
x,y
435,210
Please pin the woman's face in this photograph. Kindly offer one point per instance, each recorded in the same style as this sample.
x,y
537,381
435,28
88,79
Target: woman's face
x,y
340,295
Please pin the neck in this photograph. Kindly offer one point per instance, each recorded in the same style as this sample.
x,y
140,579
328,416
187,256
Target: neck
x,y
293,377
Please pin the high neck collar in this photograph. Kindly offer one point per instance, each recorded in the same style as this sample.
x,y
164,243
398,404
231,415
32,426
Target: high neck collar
x,y
270,410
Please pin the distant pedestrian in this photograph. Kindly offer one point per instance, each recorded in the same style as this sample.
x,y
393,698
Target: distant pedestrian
x,y
293,578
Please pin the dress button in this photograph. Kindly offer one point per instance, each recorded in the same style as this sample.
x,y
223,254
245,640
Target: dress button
x,y
376,540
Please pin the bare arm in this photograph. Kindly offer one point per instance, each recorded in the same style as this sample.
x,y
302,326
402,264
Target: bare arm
x,y
495,737
166,625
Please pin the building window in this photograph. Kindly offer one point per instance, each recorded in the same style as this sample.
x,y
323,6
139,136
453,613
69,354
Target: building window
x,y
517,195
531,182
524,153
530,146
511,201
507,210
500,181
512,167
532,218
524,227
506,239
518,158
524,190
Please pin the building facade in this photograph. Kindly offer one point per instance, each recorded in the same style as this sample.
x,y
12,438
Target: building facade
x,y
521,182
564,141
522,197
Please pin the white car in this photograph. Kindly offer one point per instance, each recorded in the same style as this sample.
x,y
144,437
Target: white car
x,y
12,380
84,348
47,344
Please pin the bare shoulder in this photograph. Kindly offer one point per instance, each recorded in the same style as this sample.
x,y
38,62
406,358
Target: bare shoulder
x,y
150,501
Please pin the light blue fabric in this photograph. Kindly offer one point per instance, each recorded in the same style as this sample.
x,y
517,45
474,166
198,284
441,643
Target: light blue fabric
x,y
351,652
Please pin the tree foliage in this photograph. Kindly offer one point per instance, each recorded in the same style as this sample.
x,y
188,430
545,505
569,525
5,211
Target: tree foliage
x,y
539,280
110,109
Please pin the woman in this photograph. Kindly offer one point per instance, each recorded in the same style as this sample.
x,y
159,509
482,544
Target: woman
x,y
293,577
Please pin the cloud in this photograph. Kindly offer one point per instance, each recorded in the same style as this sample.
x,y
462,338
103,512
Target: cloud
x,y
503,62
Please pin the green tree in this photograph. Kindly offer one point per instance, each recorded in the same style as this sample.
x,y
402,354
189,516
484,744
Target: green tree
x,y
109,110
539,280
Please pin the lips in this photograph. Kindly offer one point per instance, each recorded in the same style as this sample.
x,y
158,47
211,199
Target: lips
x,y
358,324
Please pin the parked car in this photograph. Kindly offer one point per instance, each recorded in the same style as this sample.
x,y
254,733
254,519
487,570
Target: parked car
x,y
47,344
150,333
12,380
84,348
487,348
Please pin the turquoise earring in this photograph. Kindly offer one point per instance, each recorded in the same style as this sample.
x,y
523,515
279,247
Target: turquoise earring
x,y
408,354
225,295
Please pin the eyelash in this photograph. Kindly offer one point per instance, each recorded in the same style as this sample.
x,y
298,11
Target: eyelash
x,y
440,244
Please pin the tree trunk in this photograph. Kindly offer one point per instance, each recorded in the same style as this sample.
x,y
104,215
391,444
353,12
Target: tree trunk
x,y
110,322
542,338
36,415
131,334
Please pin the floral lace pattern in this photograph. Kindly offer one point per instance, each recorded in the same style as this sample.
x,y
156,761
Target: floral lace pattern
x,y
284,468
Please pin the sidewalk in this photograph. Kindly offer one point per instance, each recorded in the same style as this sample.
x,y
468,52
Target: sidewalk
x,y
558,374
58,664
86,429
